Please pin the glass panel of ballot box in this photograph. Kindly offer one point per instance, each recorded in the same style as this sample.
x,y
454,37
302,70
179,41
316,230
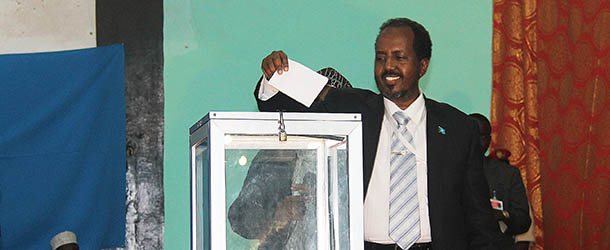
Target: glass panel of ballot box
x,y
276,181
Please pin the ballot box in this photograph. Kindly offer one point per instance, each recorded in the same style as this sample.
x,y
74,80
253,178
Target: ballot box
x,y
263,180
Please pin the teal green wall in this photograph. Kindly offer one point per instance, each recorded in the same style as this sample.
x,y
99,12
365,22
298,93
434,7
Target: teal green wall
x,y
213,51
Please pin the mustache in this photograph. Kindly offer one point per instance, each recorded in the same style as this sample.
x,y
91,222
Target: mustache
x,y
392,73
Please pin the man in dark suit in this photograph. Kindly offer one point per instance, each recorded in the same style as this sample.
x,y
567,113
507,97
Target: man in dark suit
x,y
447,206
506,185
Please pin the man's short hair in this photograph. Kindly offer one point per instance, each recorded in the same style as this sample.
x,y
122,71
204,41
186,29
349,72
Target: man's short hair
x,y
421,40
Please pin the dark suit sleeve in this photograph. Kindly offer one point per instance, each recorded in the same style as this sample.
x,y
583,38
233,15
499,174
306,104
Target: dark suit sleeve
x,y
482,227
519,221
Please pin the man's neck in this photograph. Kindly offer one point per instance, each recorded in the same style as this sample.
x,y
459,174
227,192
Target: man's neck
x,y
403,105
405,101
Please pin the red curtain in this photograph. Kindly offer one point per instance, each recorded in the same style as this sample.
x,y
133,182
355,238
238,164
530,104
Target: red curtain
x,y
550,108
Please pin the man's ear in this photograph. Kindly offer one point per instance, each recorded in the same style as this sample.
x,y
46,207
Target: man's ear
x,y
423,66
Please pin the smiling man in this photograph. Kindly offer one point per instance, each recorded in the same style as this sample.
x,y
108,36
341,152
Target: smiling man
x,y
423,177
397,65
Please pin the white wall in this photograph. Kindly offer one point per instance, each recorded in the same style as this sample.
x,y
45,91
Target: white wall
x,y
46,25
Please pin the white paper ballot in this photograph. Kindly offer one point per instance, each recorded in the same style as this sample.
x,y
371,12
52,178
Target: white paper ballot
x,y
299,82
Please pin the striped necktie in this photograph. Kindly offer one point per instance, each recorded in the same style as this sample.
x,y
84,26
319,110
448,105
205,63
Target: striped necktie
x,y
404,205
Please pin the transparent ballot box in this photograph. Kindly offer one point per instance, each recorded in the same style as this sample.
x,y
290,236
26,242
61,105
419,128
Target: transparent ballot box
x,y
276,181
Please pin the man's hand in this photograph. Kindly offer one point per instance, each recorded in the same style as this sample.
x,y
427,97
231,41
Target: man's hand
x,y
276,61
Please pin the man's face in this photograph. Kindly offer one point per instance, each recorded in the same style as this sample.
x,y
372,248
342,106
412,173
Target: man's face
x,y
397,69
485,135
485,141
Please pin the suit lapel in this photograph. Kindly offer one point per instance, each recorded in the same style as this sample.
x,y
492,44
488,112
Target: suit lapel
x,y
436,142
372,125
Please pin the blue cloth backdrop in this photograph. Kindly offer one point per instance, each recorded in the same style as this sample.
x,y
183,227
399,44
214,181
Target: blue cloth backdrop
x,y
62,148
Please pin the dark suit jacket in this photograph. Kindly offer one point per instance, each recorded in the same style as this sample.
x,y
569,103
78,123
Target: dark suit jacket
x,y
506,181
458,202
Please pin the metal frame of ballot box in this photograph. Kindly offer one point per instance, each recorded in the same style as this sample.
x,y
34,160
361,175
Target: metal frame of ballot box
x,y
215,137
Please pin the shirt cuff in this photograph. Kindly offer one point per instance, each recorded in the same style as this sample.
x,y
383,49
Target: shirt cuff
x,y
266,91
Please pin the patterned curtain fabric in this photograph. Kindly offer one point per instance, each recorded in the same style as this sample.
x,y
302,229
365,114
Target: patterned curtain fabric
x,y
550,100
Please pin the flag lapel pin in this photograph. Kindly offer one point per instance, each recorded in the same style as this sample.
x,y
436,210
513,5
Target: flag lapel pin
x,y
441,130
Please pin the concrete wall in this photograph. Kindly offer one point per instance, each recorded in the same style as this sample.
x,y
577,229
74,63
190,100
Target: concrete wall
x,y
39,26
52,25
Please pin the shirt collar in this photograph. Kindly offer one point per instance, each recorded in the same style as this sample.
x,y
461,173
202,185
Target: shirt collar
x,y
415,111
